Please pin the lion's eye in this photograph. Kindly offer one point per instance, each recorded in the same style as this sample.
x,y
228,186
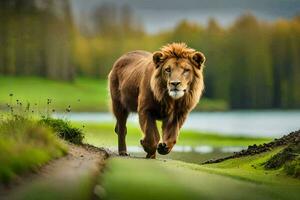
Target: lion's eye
x,y
168,70
186,71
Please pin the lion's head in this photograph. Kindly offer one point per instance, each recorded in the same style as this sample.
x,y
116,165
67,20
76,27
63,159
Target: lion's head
x,y
178,71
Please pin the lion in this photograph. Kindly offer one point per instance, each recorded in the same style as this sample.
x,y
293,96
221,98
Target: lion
x,y
165,85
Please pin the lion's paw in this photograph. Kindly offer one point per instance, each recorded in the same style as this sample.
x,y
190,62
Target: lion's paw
x,y
162,149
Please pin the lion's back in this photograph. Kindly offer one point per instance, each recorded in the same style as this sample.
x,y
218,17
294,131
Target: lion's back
x,y
126,75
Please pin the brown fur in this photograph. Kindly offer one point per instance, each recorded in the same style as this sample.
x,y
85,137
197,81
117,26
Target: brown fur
x,y
165,85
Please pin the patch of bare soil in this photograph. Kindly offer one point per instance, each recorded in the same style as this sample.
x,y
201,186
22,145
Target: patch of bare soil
x,y
290,141
81,161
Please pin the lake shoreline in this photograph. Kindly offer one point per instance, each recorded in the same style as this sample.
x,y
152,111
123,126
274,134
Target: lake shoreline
x,y
266,123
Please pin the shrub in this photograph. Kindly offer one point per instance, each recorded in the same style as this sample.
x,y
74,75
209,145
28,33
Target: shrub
x,y
64,130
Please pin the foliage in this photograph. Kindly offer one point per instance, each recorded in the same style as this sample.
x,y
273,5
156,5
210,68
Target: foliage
x,y
250,64
64,129
25,145
36,38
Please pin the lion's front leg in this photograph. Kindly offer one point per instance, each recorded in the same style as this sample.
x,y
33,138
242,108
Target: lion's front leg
x,y
151,135
170,134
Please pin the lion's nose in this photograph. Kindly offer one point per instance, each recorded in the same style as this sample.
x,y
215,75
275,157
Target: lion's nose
x,y
175,83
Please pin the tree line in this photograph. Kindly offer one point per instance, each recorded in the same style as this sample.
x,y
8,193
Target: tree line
x,y
250,64
36,38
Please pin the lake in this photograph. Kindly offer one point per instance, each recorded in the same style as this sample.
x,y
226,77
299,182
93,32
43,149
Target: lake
x,y
240,123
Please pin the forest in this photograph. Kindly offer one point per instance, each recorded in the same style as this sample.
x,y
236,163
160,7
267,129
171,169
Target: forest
x,y
252,64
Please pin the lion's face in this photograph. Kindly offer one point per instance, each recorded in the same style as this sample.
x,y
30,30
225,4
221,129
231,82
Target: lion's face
x,y
178,73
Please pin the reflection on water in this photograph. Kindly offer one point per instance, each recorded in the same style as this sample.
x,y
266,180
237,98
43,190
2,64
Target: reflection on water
x,y
248,123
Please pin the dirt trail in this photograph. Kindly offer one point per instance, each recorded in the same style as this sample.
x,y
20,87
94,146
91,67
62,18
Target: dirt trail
x,y
72,176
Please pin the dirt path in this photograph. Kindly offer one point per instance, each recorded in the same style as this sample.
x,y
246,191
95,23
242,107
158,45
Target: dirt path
x,y
71,177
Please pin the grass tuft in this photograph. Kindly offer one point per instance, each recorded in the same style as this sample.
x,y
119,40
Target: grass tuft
x,y
64,130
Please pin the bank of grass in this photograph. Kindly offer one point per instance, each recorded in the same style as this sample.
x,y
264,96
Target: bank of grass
x,y
26,145
102,134
64,129
170,179
28,140
84,94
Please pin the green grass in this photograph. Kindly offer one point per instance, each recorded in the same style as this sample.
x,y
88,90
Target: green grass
x,y
138,178
25,145
169,179
103,135
252,168
84,94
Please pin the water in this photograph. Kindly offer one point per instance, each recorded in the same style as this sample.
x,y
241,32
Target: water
x,y
244,123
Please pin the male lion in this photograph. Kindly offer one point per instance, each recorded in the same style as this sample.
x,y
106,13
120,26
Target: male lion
x,y
165,85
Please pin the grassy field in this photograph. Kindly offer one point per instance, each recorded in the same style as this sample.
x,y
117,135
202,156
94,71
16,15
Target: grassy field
x,y
241,178
26,145
84,94
164,178
170,178
103,135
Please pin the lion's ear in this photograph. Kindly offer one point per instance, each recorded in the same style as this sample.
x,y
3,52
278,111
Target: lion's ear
x,y
198,59
157,58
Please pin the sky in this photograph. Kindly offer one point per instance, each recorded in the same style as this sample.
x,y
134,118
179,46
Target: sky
x,y
158,15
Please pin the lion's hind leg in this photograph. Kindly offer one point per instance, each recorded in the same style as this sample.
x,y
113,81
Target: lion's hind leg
x,y
120,112
121,115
